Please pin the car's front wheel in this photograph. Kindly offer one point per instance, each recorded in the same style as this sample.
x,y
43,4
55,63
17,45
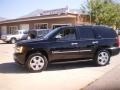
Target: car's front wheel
x,y
36,62
102,58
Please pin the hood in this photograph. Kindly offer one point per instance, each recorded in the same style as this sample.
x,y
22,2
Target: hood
x,y
8,35
32,41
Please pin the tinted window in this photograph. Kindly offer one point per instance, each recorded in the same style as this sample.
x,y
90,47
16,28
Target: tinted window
x,y
25,32
66,34
105,32
86,33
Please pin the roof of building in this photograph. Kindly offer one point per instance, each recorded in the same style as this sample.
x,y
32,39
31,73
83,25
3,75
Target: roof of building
x,y
40,14
68,15
2,19
33,13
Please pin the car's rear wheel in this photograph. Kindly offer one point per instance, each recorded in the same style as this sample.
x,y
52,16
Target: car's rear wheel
x,y
36,62
13,40
102,58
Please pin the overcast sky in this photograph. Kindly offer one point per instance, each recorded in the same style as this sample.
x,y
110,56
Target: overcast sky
x,y
16,8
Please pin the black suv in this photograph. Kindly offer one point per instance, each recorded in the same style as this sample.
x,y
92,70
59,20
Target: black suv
x,y
68,43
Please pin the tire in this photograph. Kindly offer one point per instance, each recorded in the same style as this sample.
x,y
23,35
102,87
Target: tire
x,y
102,58
13,40
36,62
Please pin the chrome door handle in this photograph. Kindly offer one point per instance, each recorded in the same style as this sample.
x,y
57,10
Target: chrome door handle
x,y
74,44
95,42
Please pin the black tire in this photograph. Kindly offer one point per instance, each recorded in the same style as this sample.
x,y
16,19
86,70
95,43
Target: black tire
x,y
102,58
36,62
13,40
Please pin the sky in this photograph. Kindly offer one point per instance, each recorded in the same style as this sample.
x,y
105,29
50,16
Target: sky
x,y
16,8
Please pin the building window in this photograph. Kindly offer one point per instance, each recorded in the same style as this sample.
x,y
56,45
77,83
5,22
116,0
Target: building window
x,y
12,29
40,26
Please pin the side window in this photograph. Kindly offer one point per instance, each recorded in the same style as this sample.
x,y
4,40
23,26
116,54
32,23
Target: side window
x,y
25,32
19,32
86,33
105,32
66,34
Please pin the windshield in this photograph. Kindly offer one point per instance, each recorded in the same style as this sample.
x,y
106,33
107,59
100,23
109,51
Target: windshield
x,y
14,33
50,33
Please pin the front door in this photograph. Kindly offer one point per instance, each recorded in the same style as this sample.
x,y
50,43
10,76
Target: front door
x,y
65,46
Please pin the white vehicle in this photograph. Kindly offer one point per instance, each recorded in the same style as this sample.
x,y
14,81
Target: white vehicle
x,y
18,35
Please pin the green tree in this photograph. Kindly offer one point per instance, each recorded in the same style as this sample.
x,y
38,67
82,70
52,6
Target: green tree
x,y
106,12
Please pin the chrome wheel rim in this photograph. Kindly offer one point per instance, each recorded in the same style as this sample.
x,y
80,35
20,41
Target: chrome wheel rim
x,y
103,58
37,63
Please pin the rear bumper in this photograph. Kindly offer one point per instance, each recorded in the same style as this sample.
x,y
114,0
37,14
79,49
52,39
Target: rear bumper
x,y
114,50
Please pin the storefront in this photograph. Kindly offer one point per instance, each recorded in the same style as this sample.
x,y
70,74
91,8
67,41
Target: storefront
x,y
49,19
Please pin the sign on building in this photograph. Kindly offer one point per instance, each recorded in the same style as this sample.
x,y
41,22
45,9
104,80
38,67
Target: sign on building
x,y
54,12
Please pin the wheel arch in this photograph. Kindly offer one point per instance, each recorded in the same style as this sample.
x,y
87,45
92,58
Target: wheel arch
x,y
12,39
43,52
103,48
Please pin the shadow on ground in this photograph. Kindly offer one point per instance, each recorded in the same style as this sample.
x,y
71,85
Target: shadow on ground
x,y
17,69
67,66
11,67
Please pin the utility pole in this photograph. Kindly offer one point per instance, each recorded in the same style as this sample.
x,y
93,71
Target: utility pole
x,y
89,2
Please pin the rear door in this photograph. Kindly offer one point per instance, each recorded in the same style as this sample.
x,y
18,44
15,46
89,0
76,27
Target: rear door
x,y
87,41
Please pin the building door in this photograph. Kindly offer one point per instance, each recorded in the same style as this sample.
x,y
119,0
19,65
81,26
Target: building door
x,y
24,26
3,30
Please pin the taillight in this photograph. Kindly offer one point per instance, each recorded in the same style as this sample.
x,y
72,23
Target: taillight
x,y
118,41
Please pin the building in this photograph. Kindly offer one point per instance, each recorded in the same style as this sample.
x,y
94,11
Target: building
x,y
47,19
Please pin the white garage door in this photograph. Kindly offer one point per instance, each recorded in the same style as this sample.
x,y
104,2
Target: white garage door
x,y
24,26
3,30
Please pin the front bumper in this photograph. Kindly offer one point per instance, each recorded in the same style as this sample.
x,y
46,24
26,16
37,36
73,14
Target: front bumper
x,y
19,58
5,40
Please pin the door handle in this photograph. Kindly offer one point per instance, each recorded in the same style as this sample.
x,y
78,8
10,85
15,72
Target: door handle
x,y
74,44
95,42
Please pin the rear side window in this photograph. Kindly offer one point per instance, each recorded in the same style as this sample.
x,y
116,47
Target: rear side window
x,y
105,32
86,33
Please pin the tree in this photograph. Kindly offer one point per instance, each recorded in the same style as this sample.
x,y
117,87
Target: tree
x,y
105,12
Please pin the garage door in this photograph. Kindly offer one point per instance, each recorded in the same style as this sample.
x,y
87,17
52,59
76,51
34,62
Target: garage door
x,y
24,26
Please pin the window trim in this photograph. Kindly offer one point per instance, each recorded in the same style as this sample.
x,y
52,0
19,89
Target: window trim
x,y
41,24
10,31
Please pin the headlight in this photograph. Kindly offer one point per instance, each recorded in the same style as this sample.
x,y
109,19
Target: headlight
x,y
19,49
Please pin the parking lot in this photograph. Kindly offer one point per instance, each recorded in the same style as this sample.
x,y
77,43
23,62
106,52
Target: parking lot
x,y
70,76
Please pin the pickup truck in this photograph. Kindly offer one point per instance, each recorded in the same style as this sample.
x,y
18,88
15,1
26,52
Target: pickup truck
x,y
18,35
